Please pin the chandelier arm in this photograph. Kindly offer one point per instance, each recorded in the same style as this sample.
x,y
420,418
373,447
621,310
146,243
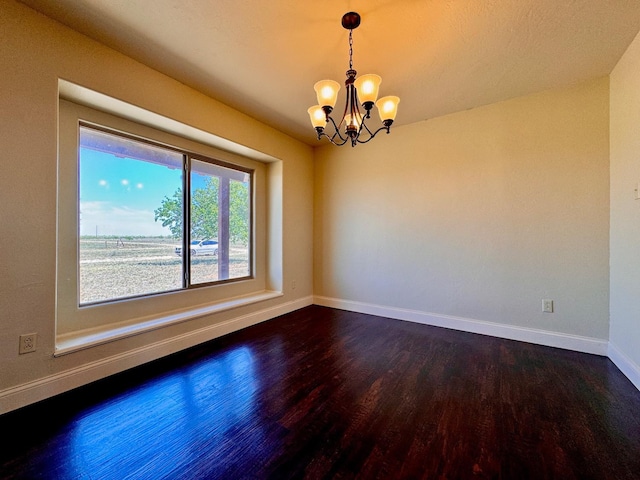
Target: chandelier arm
x,y
386,128
364,126
336,130
354,114
331,139
344,140
346,108
355,109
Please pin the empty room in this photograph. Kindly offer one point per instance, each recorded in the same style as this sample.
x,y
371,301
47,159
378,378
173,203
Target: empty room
x,y
369,239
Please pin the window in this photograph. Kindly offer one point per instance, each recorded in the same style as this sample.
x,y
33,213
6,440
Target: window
x,y
131,217
125,263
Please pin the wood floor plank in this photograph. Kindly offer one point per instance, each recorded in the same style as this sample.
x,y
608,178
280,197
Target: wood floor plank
x,y
323,393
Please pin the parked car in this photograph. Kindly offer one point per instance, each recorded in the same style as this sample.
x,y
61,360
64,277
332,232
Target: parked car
x,y
200,247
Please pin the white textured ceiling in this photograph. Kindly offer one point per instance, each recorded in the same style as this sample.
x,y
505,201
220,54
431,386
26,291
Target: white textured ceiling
x,y
439,56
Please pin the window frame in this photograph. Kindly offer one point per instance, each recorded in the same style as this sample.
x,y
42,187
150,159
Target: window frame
x,y
187,219
135,313
187,158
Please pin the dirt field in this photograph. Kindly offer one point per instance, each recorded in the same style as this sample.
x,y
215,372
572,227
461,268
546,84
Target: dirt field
x,y
111,268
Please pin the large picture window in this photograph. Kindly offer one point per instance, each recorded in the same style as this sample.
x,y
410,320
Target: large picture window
x,y
136,196
158,223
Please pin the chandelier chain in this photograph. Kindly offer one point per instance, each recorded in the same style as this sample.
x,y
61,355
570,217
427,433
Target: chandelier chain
x,y
350,49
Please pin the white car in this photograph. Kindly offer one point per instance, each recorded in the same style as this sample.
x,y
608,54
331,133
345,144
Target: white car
x,y
203,247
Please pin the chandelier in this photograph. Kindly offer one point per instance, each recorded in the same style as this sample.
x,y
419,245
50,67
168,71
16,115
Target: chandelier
x,y
360,91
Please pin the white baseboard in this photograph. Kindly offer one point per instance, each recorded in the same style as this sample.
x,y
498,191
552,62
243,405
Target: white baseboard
x,y
627,366
31,392
541,337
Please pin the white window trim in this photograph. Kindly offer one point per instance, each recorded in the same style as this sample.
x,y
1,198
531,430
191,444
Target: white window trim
x,y
135,316
99,101
75,341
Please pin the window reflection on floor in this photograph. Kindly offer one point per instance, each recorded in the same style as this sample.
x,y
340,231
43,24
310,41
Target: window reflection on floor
x,y
180,416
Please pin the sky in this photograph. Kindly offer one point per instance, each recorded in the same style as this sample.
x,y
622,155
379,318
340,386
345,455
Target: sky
x,y
118,195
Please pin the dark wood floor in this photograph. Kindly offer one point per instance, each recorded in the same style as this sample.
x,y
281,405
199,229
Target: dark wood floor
x,y
324,393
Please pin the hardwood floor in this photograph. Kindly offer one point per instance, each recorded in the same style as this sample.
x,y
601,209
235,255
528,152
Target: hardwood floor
x,y
323,393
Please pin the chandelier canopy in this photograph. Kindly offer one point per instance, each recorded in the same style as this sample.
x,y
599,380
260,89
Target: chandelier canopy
x,y
362,90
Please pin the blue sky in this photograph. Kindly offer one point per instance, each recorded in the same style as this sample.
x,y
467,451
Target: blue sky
x,y
119,195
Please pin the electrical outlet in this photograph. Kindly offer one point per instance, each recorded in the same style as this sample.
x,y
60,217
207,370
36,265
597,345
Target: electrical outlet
x,y
547,306
28,343
293,285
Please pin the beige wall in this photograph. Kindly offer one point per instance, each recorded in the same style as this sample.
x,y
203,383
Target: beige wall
x,y
625,209
477,215
34,53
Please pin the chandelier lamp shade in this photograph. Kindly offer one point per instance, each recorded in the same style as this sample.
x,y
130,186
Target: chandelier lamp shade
x,y
362,92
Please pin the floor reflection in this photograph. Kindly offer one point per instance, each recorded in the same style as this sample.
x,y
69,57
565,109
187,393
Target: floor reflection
x,y
183,417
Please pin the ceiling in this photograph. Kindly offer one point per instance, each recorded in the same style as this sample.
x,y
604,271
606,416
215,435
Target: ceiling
x,y
439,56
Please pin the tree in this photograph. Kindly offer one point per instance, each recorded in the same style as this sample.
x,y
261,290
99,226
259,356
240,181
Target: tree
x,y
239,212
204,212
170,213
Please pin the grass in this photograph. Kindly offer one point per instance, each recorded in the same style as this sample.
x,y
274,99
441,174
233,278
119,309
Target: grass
x,y
112,268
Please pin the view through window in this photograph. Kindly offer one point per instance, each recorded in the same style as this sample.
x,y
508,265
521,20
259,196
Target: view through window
x,y
131,214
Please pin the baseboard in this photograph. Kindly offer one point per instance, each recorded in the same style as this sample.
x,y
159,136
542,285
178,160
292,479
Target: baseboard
x,y
627,366
540,337
31,392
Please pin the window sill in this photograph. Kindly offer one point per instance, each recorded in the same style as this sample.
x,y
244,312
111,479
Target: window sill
x,y
72,342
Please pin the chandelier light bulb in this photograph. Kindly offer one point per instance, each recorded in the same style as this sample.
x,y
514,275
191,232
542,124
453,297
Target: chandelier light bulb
x,y
367,87
388,107
327,92
352,122
318,117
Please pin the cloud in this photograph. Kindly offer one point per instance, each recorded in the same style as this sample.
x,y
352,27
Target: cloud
x,y
111,219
